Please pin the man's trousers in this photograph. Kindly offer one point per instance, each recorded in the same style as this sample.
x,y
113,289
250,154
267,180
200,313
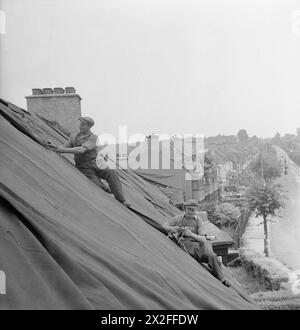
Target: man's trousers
x,y
95,174
203,252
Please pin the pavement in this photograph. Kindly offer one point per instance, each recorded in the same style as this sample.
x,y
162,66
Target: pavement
x,y
285,233
272,269
253,237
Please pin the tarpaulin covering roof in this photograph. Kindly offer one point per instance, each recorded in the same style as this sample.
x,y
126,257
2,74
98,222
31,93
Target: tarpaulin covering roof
x,y
172,179
66,244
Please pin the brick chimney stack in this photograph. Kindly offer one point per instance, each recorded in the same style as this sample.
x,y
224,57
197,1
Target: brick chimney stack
x,y
57,104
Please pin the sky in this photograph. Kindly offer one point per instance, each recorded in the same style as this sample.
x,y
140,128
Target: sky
x,y
160,66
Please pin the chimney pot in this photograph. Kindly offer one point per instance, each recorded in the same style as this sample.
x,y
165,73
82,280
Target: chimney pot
x,y
70,90
47,91
37,91
59,90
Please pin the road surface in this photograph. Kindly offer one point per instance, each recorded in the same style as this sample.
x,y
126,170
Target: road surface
x,y
285,233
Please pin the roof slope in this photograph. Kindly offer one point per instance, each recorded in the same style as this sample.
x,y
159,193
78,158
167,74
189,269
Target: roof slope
x,y
66,244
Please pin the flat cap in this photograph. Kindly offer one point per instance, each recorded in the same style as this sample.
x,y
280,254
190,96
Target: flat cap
x,y
87,120
191,203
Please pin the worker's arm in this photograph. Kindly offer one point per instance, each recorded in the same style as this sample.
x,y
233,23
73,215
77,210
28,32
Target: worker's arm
x,y
202,231
172,224
189,233
170,228
69,147
75,150
68,150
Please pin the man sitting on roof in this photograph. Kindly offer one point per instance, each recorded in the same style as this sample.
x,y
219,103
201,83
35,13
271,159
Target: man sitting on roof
x,y
83,146
194,239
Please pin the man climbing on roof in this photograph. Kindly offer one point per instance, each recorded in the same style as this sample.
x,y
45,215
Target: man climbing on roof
x,y
83,146
194,240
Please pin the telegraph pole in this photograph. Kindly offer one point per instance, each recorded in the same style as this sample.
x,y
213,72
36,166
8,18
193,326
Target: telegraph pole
x,y
262,168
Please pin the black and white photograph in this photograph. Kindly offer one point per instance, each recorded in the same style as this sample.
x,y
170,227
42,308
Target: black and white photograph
x,y
149,158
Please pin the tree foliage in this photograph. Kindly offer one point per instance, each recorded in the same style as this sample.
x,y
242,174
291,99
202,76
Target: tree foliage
x,y
290,143
271,170
267,164
242,136
208,161
265,200
227,215
209,164
276,138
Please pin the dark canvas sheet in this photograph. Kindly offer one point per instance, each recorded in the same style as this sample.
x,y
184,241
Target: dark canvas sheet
x,y
66,244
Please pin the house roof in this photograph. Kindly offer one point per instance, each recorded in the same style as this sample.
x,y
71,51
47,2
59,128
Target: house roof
x,y
66,244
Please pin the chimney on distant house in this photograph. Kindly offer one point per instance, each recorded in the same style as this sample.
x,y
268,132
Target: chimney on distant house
x,y
58,104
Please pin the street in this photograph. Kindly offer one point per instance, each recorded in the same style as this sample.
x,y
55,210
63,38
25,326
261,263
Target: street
x,y
285,233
